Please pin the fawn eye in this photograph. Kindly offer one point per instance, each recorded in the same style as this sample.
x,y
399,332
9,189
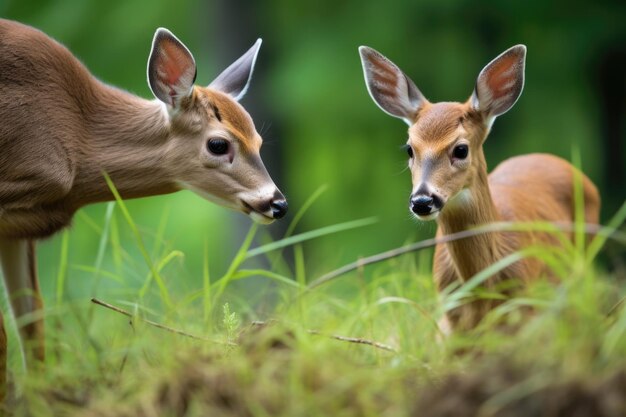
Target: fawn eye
x,y
217,146
460,151
408,150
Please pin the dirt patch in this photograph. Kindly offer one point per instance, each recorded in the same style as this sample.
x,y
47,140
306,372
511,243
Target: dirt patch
x,y
499,391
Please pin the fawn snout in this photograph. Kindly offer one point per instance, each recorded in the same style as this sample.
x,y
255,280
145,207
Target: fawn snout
x,y
279,206
425,205
266,210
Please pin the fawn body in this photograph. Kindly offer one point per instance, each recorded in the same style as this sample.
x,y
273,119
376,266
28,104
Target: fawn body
x,y
61,129
450,181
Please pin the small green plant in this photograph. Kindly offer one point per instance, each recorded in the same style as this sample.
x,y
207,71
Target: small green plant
x,y
230,322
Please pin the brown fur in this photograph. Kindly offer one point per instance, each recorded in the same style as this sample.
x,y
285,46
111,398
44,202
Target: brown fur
x,y
438,121
61,129
524,188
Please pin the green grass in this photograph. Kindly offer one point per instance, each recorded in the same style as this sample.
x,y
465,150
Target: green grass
x,y
103,363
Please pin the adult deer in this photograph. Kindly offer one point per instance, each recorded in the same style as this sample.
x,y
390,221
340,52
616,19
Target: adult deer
x,y
61,129
450,181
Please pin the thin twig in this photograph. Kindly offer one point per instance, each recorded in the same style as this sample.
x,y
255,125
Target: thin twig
x,y
157,325
591,229
616,307
255,323
342,338
357,340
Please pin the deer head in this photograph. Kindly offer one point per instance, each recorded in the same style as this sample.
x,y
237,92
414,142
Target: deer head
x,y
445,139
214,146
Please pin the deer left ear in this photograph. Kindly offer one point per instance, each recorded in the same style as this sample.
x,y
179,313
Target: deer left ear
x,y
391,89
235,79
500,83
171,68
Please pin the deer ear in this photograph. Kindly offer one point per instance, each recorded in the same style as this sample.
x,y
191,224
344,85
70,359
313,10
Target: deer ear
x,y
389,87
500,83
235,79
171,68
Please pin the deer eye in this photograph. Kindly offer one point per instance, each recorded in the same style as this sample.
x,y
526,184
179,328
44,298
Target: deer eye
x,y
460,151
217,146
408,150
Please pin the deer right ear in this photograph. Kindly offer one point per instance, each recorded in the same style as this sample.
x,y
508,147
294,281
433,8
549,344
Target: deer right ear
x,y
389,87
171,68
235,79
500,83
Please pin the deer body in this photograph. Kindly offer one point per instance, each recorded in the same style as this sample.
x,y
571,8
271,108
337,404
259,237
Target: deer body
x,y
61,128
451,184
508,188
61,171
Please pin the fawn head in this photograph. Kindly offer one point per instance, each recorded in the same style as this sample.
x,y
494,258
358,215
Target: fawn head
x,y
445,139
214,146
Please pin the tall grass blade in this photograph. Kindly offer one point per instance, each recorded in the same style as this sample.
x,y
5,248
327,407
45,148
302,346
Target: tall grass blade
x,y
240,256
304,208
62,272
454,298
158,238
247,273
116,246
95,271
600,239
104,239
206,284
142,248
89,221
579,203
159,267
292,240
298,255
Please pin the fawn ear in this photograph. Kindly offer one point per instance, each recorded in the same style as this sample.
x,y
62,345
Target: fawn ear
x,y
171,68
500,83
389,87
235,79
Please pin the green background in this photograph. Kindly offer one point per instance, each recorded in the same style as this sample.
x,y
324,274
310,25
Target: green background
x,y
309,102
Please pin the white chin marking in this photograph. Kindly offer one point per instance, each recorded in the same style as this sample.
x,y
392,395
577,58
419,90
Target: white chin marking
x,y
259,218
265,192
431,216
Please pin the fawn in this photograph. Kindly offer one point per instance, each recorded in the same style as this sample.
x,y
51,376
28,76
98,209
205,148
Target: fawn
x,y
61,128
450,181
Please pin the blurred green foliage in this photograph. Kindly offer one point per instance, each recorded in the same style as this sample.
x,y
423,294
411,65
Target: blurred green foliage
x,y
309,101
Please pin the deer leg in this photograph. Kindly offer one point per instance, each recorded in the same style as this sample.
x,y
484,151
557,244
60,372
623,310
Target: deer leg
x,y
19,265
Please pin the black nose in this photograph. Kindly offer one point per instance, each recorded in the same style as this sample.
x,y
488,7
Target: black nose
x,y
422,204
279,208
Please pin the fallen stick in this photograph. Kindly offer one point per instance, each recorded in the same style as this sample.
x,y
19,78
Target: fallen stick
x,y
348,339
158,325
357,340
256,323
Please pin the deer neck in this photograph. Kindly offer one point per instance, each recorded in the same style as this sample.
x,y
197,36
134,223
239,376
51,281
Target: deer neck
x,y
472,207
126,137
